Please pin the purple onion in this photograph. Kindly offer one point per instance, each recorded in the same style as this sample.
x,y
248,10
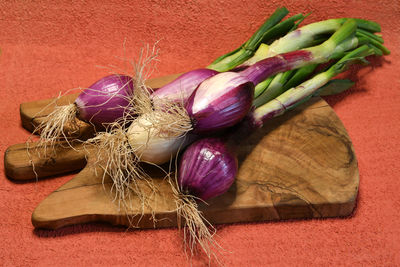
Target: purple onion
x,y
207,169
106,100
183,87
220,101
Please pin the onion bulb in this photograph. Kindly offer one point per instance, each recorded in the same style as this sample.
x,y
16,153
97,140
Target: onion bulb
x,y
207,169
101,103
106,100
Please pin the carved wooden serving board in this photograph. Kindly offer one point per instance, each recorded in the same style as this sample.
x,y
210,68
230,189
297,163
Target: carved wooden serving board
x,y
299,165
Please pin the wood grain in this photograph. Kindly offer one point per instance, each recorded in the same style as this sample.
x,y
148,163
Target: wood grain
x,y
300,165
22,161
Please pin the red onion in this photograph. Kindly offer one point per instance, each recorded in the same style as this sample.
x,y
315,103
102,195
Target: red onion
x,y
106,100
207,169
103,102
220,102
224,99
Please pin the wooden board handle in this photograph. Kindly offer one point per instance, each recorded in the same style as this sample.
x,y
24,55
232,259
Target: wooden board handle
x,y
23,163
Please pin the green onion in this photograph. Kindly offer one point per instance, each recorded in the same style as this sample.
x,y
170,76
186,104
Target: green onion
x,y
282,28
367,25
300,76
300,94
376,43
259,89
274,88
241,54
362,32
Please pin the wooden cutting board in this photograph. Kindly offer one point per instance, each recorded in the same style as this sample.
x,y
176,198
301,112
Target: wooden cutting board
x,y
299,165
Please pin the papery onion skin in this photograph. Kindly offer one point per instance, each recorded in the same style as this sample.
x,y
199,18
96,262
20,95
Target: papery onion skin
x,y
220,102
207,169
106,100
149,146
180,89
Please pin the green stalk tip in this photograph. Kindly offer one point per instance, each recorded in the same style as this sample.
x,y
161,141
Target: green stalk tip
x,y
280,29
296,25
377,44
367,34
241,54
274,19
368,25
374,40
357,54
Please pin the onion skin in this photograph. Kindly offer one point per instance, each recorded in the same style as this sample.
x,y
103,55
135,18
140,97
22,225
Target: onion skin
x,y
149,145
105,100
180,89
261,70
207,169
220,102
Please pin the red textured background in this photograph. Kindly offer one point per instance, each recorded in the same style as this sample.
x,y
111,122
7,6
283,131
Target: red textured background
x,y
51,46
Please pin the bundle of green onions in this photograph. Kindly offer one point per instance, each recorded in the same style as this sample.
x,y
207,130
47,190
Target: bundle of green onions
x,y
271,73
262,84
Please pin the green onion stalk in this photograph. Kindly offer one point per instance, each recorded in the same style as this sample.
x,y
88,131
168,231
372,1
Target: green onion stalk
x,y
270,39
269,31
274,86
301,93
312,34
263,69
305,35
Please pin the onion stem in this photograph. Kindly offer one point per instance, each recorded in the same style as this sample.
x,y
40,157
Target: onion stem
x,y
367,25
368,34
270,30
374,41
300,58
262,86
269,89
300,76
298,95
274,88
